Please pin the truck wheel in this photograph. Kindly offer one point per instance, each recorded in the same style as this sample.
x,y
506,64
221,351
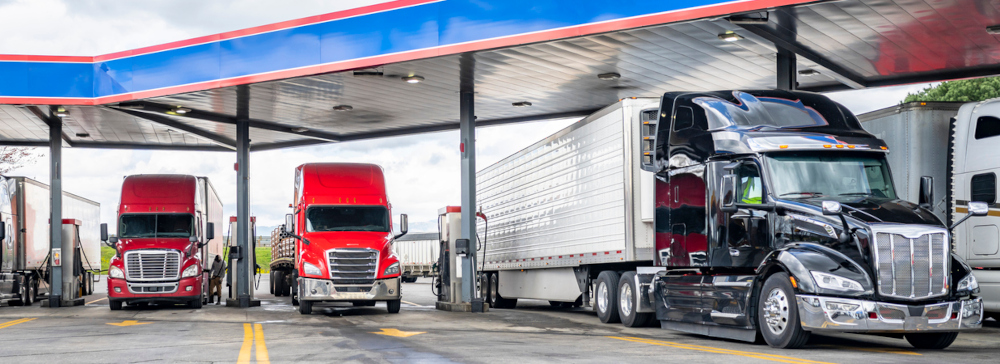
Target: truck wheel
x,y
628,302
493,289
486,289
933,341
393,306
295,288
778,315
279,284
195,303
305,307
271,281
115,305
23,291
286,286
606,296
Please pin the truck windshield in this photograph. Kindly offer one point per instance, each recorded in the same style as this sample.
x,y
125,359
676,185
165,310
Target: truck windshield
x,y
156,226
809,175
347,218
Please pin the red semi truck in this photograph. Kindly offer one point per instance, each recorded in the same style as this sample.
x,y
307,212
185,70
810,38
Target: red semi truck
x,y
166,239
341,246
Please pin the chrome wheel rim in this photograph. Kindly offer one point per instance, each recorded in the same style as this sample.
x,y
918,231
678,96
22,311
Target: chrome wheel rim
x,y
602,297
493,289
625,300
776,308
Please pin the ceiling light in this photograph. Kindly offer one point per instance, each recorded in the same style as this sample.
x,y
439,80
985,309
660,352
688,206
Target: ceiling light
x,y
609,76
343,108
521,104
413,79
730,36
993,29
180,110
808,72
83,135
300,130
62,112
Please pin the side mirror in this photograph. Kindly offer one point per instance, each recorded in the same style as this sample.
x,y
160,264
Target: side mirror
x,y
210,231
193,239
831,208
976,208
403,225
728,193
289,221
926,192
104,232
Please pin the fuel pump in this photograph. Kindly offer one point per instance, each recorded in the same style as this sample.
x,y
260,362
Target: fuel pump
x,y
235,254
448,285
73,275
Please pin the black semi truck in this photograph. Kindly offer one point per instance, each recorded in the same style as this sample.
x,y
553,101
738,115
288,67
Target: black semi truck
x,y
776,217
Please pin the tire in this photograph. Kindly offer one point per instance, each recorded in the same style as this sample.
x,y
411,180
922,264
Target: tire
x,y
305,307
294,289
286,286
279,284
932,341
495,293
271,281
363,303
494,287
778,314
24,292
195,303
628,302
606,297
115,305
485,289
393,306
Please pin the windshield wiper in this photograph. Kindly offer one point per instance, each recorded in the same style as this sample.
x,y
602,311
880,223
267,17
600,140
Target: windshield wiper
x,y
856,194
811,194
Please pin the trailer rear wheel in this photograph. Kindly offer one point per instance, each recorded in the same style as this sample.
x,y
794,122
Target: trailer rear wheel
x,y
270,281
606,297
933,341
628,302
778,314
279,284
485,289
115,305
393,306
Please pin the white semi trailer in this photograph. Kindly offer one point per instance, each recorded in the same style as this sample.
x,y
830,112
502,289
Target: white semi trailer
x,y
567,208
958,145
417,252
24,255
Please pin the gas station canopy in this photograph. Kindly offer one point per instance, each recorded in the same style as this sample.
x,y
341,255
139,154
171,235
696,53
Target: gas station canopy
x,y
397,68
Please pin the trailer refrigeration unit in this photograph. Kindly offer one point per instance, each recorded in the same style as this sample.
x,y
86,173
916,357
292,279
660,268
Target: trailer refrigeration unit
x,y
774,214
24,235
166,242
957,144
341,246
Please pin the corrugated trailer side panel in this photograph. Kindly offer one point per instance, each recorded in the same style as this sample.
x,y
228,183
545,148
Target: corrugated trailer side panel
x,y
417,252
214,205
562,201
36,223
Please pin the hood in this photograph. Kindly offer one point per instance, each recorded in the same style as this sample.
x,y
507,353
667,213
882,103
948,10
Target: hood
x,y
154,243
323,241
872,209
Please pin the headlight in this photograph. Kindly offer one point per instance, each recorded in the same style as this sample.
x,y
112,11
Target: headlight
x,y
393,269
310,269
116,272
836,283
969,283
190,271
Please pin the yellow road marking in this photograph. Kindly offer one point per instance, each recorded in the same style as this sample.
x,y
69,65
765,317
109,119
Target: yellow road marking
x,y
244,357
15,322
97,300
409,303
128,323
709,349
258,333
875,350
397,333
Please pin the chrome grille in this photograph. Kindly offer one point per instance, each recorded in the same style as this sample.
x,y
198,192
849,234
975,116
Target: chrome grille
x,y
353,266
911,266
152,265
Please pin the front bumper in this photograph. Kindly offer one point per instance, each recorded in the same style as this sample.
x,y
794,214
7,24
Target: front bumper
x,y
819,313
311,289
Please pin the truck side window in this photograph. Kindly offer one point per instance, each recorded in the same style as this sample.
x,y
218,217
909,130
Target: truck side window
x,y
987,126
683,118
984,188
751,186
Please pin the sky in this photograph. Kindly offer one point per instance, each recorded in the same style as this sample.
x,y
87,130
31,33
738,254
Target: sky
x,y
422,171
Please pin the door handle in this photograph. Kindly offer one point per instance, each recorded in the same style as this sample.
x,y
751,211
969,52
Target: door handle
x,y
734,252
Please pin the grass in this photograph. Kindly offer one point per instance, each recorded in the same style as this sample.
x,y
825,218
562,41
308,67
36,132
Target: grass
x,y
263,256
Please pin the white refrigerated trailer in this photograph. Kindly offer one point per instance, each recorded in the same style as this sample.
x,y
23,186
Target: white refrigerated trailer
x,y
958,145
24,255
568,208
417,252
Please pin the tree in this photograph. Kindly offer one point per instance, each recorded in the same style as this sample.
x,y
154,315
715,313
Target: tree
x,y
977,89
12,158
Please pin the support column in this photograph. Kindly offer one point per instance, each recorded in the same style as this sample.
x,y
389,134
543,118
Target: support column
x,y
468,135
55,207
243,194
786,70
